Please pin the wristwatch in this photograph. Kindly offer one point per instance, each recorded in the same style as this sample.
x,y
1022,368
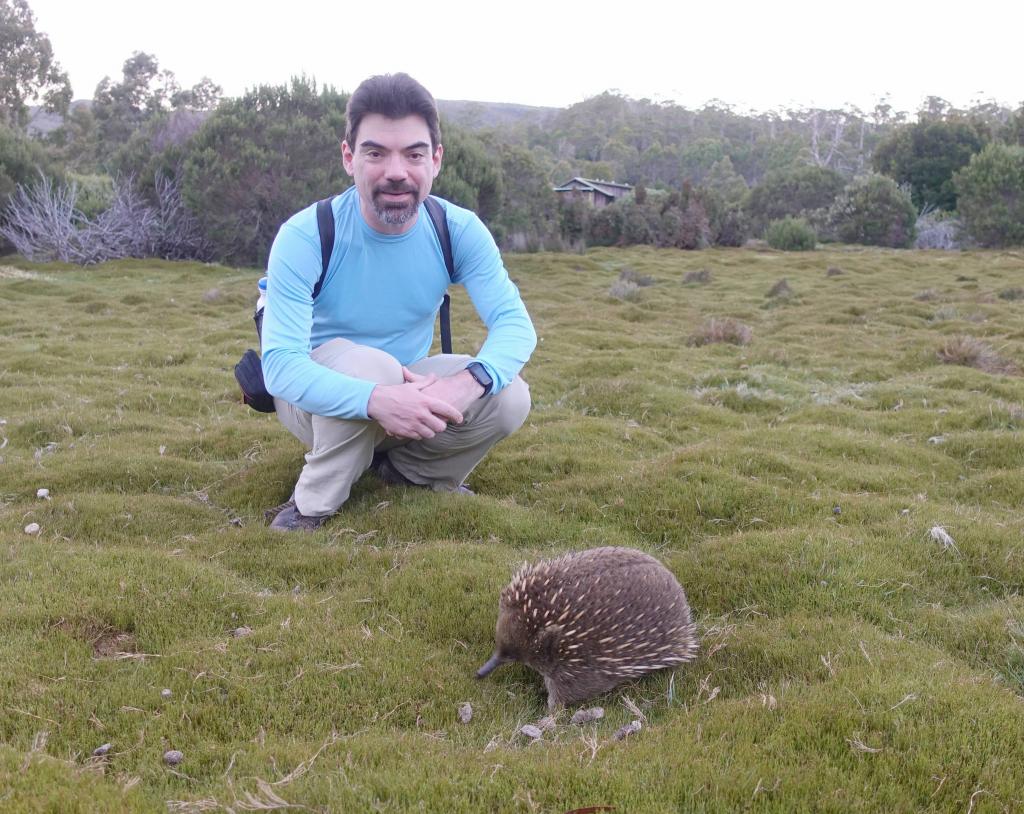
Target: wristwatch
x,y
479,372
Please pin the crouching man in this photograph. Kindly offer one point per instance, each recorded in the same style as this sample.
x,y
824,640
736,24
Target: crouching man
x,y
348,365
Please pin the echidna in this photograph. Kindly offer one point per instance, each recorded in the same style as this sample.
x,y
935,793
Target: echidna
x,y
590,620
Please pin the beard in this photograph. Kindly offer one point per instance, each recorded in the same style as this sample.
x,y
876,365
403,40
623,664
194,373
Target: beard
x,y
396,213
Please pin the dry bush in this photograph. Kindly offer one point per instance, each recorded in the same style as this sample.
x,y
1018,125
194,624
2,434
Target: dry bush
x,y
947,312
628,275
781,290
702,277
1012,294
833,271
625,290
927,295
972,352
726,329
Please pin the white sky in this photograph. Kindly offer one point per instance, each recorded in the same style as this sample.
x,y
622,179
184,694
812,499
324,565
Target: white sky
x,y
754,55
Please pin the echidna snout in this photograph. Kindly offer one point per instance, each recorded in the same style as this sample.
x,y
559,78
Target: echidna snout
x,y
590,620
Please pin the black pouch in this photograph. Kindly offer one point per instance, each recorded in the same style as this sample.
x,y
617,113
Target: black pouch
x,y
249,374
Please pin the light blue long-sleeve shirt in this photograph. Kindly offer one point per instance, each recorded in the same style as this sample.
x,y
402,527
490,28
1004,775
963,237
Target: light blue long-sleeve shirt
x,y
383,291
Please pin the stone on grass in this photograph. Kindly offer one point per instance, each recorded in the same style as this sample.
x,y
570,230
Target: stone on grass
x,y
583,716
32,528
43,494
172,757
165,693
465,713
241,632
101,751
531,732
624,732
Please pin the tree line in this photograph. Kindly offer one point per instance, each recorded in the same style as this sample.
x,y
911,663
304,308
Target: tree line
x,y
150,167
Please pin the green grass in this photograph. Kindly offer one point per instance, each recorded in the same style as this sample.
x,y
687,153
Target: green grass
x,y
849,662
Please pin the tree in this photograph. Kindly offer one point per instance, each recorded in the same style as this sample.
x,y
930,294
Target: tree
x,y
27,68
991,195
925,155
874,211
259,159
797,191
470,177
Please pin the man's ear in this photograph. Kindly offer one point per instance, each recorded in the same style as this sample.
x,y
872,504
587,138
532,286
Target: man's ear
x,y
346,157
438,153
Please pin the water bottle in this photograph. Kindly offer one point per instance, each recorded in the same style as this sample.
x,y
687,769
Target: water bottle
x,y
261,302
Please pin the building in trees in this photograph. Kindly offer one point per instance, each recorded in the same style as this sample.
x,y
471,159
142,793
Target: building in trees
x,y
597,193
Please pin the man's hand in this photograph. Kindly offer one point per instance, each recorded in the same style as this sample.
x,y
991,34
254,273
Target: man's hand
x,y
409,411
459,390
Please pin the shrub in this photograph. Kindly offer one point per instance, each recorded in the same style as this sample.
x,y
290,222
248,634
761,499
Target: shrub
x,y
991,195
801,191
874,211
937,230
629,275
702,277
624,290
791,235
971,352
781,290
727,330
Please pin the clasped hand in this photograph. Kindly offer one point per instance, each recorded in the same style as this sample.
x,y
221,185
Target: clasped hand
x,y
421,407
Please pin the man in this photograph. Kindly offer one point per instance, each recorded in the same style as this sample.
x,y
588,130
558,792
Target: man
x,y
349,369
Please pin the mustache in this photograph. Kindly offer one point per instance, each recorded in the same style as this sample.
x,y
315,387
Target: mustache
x,y
396,188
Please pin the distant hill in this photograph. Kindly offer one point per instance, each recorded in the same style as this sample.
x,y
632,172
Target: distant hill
x,y
470,115
480,115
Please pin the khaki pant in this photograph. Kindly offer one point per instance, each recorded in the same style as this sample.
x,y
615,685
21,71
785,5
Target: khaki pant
x,y
342,449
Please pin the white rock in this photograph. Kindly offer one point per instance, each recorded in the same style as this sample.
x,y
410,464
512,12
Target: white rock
x,y
165,693
32,528
465,713
100,751
531,732
582,716
625,731
173,757
240,632
43,494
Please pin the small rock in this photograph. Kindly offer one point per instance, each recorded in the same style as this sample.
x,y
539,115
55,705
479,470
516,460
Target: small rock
x,y
937,439
241,632
165,693
43,494
32,528
101,751
583,716
532,732
624,732
837,510
465,713
173,757
546,723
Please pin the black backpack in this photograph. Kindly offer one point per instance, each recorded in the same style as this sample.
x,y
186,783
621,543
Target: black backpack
x,y
249,370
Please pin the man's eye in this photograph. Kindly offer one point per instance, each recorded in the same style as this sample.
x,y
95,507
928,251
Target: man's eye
x,y
416,156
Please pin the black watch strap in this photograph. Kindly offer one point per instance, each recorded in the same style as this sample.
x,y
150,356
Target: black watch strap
x,y
479,372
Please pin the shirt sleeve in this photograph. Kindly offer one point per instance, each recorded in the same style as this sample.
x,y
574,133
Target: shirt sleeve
x,y
511,337
293,269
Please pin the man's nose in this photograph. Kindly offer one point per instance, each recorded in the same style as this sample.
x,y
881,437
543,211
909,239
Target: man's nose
x,y
395,167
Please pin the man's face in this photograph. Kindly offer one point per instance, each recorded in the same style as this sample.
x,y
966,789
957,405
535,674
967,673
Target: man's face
x,y
393,167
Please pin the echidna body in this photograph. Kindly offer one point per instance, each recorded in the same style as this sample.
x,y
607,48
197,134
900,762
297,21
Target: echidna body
x,y
590,620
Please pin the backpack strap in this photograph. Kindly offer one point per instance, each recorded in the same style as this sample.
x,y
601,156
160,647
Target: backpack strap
x,y
325,223
440,223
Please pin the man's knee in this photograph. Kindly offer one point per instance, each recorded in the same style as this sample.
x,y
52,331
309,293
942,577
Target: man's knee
x,y
513,406
359,361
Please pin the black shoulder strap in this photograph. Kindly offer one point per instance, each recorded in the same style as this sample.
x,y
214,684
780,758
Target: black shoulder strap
x,y
325,223
440,222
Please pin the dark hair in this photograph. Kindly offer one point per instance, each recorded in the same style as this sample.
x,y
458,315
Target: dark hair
x,y
394,95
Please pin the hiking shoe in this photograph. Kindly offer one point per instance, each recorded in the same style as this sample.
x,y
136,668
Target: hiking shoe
x,y
382,467
289,518
270,514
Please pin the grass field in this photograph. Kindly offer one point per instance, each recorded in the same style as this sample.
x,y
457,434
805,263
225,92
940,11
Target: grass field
x,y
852,659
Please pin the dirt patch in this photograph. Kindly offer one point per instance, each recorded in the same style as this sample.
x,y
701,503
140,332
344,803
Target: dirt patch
x,y
105,641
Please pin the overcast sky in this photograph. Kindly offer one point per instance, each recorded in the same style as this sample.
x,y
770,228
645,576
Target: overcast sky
x,y
753,55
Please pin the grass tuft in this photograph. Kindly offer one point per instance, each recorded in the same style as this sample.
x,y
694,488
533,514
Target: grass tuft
x,y
700,277
781,290
721,329
625,290
971,352
1012,294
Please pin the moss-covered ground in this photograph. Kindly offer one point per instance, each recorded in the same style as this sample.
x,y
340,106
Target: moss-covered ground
x,y
851,660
